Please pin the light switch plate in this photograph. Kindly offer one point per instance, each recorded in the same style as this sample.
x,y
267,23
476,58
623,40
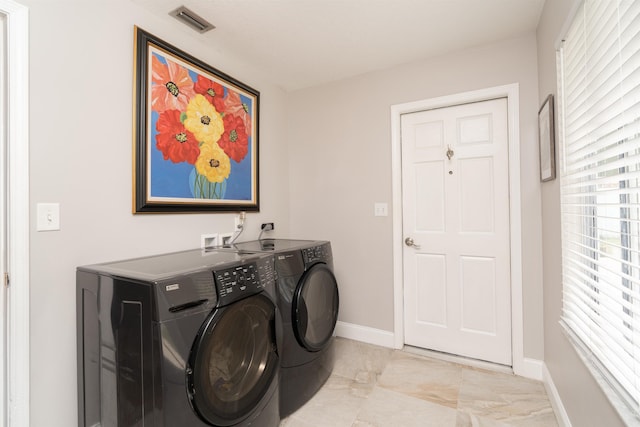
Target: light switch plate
x,y
380,209
48,216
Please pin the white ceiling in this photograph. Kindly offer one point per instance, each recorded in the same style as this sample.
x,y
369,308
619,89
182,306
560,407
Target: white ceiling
x,y
303,43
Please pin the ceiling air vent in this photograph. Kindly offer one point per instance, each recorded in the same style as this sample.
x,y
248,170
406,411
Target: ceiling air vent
x,y
192,19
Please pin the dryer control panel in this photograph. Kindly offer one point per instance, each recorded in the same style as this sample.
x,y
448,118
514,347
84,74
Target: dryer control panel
x,y
317,253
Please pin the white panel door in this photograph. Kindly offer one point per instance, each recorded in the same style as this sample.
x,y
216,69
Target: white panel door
x,y
455,190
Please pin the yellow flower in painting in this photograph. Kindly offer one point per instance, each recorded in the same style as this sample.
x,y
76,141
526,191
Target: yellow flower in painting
x,y
213,163
203,120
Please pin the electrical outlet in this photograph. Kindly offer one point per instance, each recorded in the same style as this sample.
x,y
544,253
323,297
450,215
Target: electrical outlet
x,y
208,240
225,239
267,226
239,221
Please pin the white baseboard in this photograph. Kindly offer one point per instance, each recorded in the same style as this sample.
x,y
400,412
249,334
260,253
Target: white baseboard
x,y
554,398
365,334
530,368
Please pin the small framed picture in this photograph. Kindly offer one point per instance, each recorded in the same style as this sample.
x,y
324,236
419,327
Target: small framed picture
x,y
546,136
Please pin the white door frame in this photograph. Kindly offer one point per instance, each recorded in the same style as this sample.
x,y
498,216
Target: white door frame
x,y
16,403
511,92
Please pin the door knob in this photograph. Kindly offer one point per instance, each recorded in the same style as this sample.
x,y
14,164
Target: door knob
x,y
409,242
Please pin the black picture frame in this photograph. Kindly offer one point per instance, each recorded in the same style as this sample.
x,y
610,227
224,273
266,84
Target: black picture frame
x,y
546,139
196,142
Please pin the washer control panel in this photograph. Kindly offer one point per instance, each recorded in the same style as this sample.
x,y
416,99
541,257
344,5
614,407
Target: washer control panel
x,y
237,282
243,280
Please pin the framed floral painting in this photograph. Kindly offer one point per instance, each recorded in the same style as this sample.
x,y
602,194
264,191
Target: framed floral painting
x,y
195,136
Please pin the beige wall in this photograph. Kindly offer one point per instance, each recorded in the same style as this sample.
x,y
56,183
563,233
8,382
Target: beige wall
x,y
81,56
340,159
582,397
325,160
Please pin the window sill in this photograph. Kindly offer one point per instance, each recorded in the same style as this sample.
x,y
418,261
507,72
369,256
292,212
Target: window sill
x,y
627,414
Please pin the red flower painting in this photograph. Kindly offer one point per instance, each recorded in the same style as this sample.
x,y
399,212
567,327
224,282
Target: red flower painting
x,y
196,136
233,105
212,91
174,141
234,140
198,119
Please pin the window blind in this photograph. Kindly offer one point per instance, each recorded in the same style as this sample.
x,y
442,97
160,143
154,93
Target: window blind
x,y
599,109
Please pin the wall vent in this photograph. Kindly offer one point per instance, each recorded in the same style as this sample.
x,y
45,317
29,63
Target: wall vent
x,y
192,19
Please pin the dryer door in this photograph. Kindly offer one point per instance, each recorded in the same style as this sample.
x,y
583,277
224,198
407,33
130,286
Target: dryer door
x,y
315,307
234,361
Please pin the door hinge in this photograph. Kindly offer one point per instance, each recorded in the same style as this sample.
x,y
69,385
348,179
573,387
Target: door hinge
x,y
6,280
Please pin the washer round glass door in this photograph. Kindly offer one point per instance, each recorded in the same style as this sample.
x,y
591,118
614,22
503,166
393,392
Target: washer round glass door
x,y
233,361
315,307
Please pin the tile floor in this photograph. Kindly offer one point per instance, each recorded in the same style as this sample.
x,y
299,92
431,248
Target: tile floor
x,y
379,387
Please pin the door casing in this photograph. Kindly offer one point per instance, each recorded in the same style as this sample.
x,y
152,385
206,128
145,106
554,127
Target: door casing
x,y
511,92
16,401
